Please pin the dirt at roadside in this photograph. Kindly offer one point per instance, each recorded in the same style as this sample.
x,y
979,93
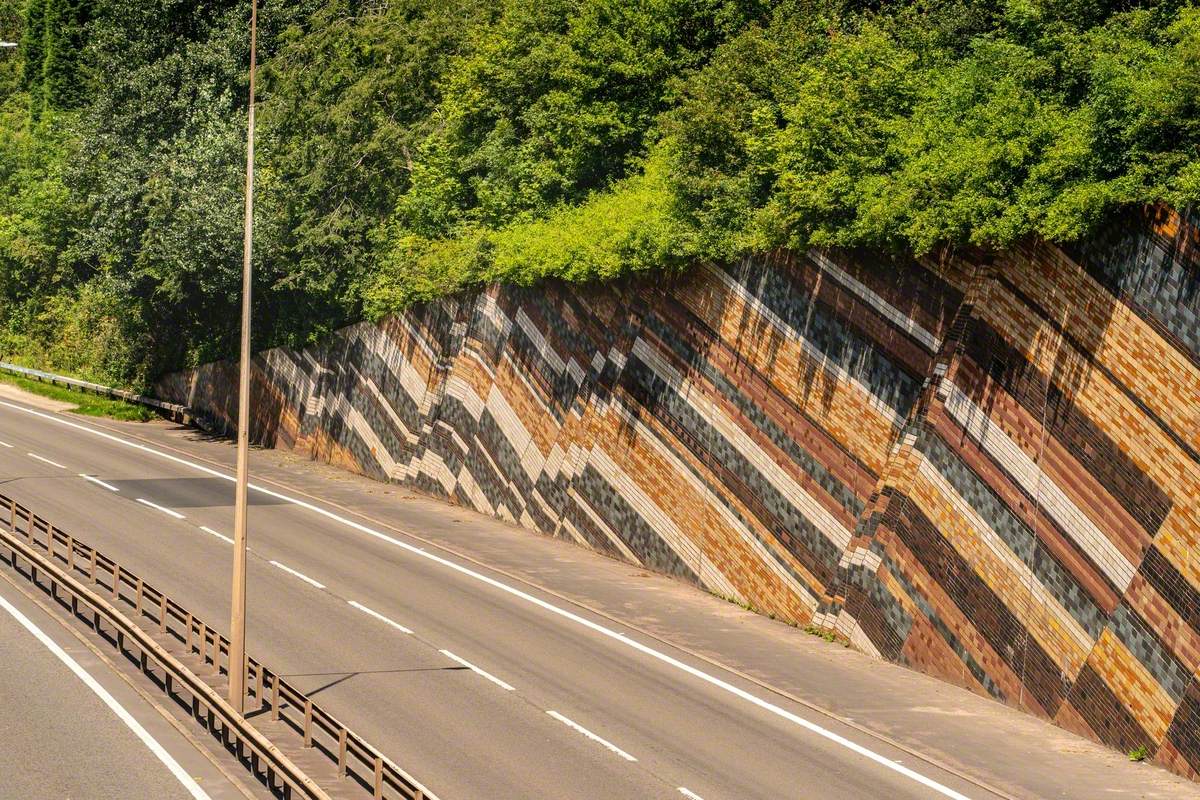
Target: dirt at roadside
x,y
10,392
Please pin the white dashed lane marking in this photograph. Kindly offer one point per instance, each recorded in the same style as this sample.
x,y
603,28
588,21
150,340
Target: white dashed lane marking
x,y
378,616
45,460
163,509
299,575
5,444
99,482
477,670
576,726
689,793
220,536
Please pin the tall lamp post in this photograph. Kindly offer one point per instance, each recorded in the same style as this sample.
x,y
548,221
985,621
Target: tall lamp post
x,y
237,624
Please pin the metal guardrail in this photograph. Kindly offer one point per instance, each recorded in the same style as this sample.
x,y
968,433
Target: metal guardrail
x,y
174,411
46,547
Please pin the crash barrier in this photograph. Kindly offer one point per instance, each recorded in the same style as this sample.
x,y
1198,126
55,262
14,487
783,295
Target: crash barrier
x,y
62,559
173,411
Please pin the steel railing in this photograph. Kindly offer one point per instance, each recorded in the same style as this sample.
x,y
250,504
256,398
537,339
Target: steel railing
x,y
174,411
46,547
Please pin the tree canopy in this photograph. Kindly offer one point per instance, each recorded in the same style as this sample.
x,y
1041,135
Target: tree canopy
x,y
411,148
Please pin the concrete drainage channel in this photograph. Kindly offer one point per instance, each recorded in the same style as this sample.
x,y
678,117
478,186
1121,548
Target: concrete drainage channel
x,y
162,638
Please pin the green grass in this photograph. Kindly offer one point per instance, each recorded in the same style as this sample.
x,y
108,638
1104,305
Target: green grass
x,y
91,405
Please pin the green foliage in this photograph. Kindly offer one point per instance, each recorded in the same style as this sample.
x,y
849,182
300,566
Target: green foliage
x,y
413,148
555,100
627,229
889,135
348,98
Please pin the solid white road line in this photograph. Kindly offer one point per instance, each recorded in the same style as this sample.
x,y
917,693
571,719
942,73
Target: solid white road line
x,y
220,536
99,482
159,751
591,735
163,509
378,616
689,793
46,460
299,575
477,670
660,656
5,444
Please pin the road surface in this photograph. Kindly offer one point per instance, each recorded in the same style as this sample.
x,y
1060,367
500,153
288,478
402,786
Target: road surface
x,y
72,728
481,687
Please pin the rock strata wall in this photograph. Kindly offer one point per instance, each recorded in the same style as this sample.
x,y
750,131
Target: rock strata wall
x,y
988,470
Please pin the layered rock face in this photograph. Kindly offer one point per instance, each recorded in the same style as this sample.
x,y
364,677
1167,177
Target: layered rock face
x,y
986,469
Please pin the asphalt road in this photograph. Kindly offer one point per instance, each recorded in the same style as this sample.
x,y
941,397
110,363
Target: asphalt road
x,y
478,686
74,730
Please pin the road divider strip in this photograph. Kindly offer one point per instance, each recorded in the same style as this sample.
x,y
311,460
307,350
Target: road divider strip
x,y
45,460
99,482
163,509
299,575
378,616
628,641
478,671
579,728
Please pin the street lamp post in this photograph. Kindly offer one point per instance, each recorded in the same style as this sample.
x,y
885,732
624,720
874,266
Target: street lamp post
x,y
237,624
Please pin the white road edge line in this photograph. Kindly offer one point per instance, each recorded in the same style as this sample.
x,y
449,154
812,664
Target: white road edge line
x,y
378,616
46,460
591,735
99,482
699,674
114,705
163,509
220,536
477,670
299,575
689,793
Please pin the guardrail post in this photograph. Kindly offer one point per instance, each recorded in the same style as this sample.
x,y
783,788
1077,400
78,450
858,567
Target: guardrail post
x,y
189,632
12,516
116,587
70,553
162,612
378,777
49,539
203,643
29,525
138,605
258,691
342,752
92,566
274,698
307,722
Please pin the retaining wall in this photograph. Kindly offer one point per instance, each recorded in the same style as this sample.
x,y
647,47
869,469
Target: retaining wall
x,y
987,470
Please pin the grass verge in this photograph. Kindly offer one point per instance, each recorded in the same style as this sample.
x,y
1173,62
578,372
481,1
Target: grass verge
x,y
91,405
